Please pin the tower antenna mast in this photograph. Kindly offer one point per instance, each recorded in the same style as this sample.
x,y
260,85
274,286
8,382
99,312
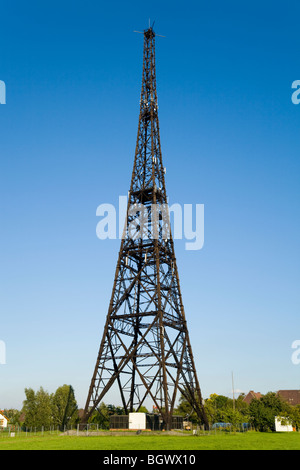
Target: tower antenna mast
x,y
145,352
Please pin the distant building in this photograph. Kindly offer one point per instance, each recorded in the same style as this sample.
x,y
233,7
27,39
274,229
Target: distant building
x,y
3,420
252,395
292,397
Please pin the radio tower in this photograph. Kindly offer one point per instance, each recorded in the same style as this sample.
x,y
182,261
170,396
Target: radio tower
x,y
145,350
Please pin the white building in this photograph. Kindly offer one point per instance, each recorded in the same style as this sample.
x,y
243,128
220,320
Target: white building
x,y
137,421
282,425
3,420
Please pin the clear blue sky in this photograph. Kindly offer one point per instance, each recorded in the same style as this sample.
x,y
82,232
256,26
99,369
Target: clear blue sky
x,y
230,139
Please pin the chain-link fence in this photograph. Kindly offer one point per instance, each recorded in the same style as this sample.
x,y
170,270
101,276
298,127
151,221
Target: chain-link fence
x,y
91,429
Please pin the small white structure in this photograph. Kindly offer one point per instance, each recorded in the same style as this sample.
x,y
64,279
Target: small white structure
x,y
137,421
287,427
3,420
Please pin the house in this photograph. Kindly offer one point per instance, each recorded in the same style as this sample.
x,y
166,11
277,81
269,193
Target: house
x,y
252,395
3,420
292,397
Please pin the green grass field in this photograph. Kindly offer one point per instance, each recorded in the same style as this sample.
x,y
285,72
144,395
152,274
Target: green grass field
x,y
147,441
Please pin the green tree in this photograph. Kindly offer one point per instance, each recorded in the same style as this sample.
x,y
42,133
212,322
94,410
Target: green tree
x,y
101,416
42,409
115,410
263,411
216,407
241,405
186,410
44,412
295,416
221,409
64,407
143,409
30,408
37,408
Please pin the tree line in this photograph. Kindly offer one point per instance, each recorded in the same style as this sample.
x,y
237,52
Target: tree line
x,y
42,409
259,414
60,409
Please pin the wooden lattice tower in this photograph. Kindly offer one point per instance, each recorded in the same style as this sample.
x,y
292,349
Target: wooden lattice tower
x,y
145,350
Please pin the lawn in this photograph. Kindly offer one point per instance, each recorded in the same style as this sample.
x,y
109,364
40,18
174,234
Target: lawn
x,y
147,441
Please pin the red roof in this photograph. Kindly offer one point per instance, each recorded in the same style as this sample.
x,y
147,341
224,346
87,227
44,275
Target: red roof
x,y
290,396
252,395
